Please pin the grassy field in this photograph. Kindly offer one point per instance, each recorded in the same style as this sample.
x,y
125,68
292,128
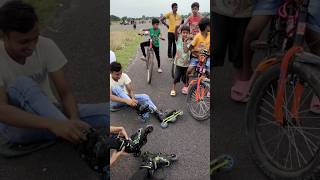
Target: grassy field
x,y
124,43
44,9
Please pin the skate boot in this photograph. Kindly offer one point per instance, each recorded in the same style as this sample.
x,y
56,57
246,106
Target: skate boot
x,y
95,151
154,161
143,111
159,115
136,141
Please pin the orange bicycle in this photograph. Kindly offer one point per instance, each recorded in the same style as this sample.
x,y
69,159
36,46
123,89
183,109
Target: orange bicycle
x,y
198,98
283,131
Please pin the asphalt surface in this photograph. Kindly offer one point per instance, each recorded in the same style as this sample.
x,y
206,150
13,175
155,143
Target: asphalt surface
x,y
228,128
188,138
81,36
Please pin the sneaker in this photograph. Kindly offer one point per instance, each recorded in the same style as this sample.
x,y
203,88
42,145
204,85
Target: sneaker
x,y
143,58
159,70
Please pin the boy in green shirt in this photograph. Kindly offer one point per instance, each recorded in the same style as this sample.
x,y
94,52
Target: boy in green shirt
x,y
155,35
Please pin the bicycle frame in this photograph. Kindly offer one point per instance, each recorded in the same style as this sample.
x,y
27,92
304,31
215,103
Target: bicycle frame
x,y
201,70
300,29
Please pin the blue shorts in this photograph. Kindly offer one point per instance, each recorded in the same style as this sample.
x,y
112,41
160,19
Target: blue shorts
x,y
270,7
194,62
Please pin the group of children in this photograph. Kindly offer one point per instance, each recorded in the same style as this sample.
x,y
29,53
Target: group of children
x,y
185,41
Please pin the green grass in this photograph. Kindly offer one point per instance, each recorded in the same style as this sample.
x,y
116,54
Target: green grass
x,y
44,9
125,45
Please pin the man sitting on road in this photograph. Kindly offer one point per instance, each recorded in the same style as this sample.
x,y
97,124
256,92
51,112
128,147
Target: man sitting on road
x,y
29,112
121,94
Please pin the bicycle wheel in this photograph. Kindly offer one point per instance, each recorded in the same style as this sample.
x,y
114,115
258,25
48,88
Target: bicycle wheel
x,y
275,147
200,110
149,65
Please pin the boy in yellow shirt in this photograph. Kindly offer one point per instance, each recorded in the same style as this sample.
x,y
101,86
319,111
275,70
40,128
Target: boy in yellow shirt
x,y
200,41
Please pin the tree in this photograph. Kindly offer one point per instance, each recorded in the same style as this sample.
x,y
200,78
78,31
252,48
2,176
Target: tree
x,y
114,18
124,18
143,17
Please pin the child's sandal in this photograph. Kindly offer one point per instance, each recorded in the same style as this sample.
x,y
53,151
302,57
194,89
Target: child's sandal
x,y
173,93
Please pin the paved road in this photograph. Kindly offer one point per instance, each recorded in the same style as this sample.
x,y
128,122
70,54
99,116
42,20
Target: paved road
x,y
187,138
81,36
228,129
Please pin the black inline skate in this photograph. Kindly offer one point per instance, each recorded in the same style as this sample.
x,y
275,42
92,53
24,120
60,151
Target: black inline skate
x,y
136,141
154,161
143,110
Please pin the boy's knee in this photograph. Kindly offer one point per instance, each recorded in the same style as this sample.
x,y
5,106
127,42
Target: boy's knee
x,y
22,84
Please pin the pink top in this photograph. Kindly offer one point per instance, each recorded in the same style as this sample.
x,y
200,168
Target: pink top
x,y
193,23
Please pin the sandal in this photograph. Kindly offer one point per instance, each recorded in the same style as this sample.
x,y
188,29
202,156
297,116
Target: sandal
x,y
173,93
184,90
315,105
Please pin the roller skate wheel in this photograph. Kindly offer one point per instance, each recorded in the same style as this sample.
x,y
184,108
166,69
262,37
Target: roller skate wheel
x,y
164,125
174,119
173,157
181,113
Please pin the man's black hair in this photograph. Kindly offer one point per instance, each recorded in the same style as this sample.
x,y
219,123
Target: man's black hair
x,y
185,28
115,67
173,5
195,4
204,22
154,21
17,16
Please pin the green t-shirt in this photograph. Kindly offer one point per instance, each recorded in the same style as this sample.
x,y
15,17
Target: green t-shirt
x,y
155,34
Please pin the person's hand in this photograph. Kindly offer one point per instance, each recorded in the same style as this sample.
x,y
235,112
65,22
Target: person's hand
x,y
167,26
131,102
115,155
70,130
120,131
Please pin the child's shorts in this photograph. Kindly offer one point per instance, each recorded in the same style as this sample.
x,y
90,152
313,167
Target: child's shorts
x,y
270,7
194,62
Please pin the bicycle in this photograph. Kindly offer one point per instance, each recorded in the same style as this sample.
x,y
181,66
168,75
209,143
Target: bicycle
x,y
276,114
198,101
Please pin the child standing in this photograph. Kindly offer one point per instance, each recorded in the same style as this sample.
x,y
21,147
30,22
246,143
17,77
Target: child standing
x,y
155,35
181,60
194,19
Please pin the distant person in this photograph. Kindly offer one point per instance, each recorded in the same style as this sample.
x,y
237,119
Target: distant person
x,y
112,57
155,35
29,111
174,21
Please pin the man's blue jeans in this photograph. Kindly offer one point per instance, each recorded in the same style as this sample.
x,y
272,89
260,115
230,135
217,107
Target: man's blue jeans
x,y
27,95
141,98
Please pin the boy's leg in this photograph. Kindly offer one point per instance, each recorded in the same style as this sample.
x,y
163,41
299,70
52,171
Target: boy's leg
x,y
27,95
184,75
253,31
118,91
174,46
145,99
142,45
96,115
177,75
156,51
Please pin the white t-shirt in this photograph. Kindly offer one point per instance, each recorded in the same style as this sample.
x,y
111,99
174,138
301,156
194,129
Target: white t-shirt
x,y
122,82
46,58
112,57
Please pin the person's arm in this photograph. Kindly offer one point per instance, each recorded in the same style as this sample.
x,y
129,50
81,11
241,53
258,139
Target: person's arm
x,y
115,98
163,20
16,117
130,90
64,90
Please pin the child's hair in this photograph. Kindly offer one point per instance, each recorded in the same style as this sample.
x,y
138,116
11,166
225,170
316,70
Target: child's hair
x,y
115,67
17,16
204,22
195,4
185,28
155,21
173,5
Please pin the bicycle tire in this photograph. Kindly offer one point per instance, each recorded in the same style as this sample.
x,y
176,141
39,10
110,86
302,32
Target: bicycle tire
x,y
192,89
150,66
309,74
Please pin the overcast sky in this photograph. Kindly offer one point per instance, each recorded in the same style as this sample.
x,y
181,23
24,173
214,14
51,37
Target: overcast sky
x,y
137,8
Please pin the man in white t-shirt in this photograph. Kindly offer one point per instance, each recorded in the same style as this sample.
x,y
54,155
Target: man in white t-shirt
x,y
121,94
29,111
112,57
